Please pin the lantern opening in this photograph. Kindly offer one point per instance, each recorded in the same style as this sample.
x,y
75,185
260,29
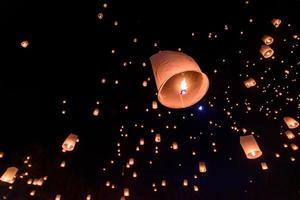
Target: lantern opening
x,y
183,87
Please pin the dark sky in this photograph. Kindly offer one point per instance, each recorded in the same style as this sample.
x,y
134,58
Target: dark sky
x,y
69,53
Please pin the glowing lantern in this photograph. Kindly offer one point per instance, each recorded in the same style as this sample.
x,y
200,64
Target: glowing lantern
x,y
276,22
179,80
142,141
126,192
63,164
134,174
9,175
70,142
185,183
264,166
291,122
88,197
157,138
163,183
57,197
96,112
29,182
1,154
174,146
267,39
131,161
32,193
38,181
24,44
294,147
266,51
202,167
250,147
154,105
196,189
122,198
290,135
145,83
249,83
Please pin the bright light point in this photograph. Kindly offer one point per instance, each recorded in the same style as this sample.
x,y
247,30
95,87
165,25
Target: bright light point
x,y
200,108
183,87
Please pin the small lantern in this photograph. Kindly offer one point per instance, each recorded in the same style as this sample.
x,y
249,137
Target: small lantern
x,y
1,154
179,80
174,146
70,142
57,197
131,161
63,164
145,83
185,183
294,147
163,183
196,188
157,138
250,147
24,44
32,193
142,141
154,105
264,166
9,175
276,22
202,167
126,192
249,83
266,51
96,112
267,39
289,134
88,197
291,122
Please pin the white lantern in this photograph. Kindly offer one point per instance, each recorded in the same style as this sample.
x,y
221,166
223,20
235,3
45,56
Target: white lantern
x,y
70,142
9,175
266,51
250,147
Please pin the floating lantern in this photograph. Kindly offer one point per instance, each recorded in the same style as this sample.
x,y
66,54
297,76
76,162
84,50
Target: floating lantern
x,y
29,182
9,175
145,83
38,181
126,192
196,189
294,147
96,112
131,161
88,197
267,39
63,164
57,197
32,193
157,138
163,183
291,122
24,44
70,142
289,134
154,105
249,83
142,141
1,154
174,146
266,51
250,147
276,22
179,80
134,174
264,165
202,167
185,183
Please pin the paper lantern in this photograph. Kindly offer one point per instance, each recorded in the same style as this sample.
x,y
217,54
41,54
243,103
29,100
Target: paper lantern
x,y
249,83
38,181
264,165
70,142
142,141
266,51
24,44
174,146
1,154
202,167
96,112
276,22
289,134
88,197
131,161
291,122
196,189
294,147
157,138
57,197
9,175
63,164
154,105
163,183
185,183
267,39
32,193
29,181
145,83
250,147
126,192
179,80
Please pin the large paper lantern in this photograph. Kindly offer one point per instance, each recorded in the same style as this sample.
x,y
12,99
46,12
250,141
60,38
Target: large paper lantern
x,y
249,83
289,134
266,51
250,146
179,80
267,39
70,142
9,175
291,122
202,167
264,166
276,22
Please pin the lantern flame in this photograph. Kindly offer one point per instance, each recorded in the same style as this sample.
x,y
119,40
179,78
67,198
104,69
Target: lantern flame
x,y
183,87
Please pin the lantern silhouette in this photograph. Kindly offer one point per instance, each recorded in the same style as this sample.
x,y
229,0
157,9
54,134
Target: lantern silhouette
x,y
154,105
250,147
249,83
24,44
267,39
264,166
70,142
202,167
276,22
179,80
291,122
185,183
9,175
290,135
266,51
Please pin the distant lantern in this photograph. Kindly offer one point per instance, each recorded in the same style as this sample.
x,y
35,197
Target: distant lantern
x,y
267,39
276,22
196,189
29,181
294,147
291,122
174,146
289,134
202,167
126,192
185,183
250,146
57,197
89,197
24,44
32,193
179,80
154,105
157,138
266,51
9,175
142,141
96,112
264,166
70,142
164,183
145,83
1,154
63,164
249,83
131,161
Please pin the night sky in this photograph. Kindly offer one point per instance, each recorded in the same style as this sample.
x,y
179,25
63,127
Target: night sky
x,y
85,55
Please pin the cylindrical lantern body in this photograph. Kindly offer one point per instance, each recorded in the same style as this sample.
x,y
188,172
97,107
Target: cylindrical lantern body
x,y
266,51
202,167
126,192
264,166
179,80
249,83
294,147
163,183
267,39
185,183
70,142
9,175
157,138
250,146
276,22
290,135
154,105
291,122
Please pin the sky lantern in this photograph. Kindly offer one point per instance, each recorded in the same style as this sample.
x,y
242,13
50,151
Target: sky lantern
x,y
96,112
250,82
266,51
57,197
163,183
185,183
9,175
179,80
24,44
276,22
291,122
289,134
1,154
70,142
142,141
264,166
157,138
250,146
126,192
88,197
154,105
294,147
174,146
202,167
63,164
267,39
